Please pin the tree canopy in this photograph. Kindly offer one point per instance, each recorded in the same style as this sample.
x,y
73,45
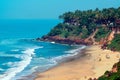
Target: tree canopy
x,y
82,23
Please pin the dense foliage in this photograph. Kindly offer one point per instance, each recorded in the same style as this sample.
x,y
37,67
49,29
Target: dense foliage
x,y
82,24
102,33
115,44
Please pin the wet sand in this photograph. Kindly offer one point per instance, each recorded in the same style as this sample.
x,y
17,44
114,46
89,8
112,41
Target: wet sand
x,y
95,62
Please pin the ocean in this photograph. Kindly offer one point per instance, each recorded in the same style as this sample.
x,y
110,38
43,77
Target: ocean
x,y
21,56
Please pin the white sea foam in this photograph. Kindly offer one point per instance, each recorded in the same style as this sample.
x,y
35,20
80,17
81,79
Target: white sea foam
x,y
9,64
69,54
19,66
26,59
15,50
54,60
34,68
7,41
1,69
53,42
75,50
9,55
42,64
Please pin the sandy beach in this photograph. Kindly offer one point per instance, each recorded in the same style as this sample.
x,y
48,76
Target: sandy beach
x,y
93,65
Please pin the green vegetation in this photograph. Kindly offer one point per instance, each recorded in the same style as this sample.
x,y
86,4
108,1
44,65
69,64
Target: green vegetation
x,y
115,44
82,24
111,75
102,33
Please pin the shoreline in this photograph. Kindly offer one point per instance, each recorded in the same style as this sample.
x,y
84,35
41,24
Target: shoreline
x,y
73,54
91,65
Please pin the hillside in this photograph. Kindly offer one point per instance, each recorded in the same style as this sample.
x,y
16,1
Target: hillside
x,y
90,27
86,27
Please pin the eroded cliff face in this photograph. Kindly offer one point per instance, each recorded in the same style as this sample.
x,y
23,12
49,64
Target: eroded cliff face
x,y
111,36
70,41
108,38
76,40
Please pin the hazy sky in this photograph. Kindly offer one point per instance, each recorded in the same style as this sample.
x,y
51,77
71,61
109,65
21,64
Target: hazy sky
x,y
32,9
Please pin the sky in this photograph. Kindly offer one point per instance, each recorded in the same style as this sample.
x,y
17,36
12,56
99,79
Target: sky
x,y
48,9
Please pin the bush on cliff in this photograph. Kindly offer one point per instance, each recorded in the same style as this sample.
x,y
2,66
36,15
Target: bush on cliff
x,y
102,33
115,43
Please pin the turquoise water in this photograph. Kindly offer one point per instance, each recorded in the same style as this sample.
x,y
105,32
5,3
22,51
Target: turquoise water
x,y
21,56
25,28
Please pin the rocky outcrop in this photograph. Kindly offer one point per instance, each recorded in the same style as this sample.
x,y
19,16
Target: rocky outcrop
x,y
76,40
69,41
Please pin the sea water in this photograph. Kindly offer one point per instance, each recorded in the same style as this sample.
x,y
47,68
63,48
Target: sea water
x,y
21,56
